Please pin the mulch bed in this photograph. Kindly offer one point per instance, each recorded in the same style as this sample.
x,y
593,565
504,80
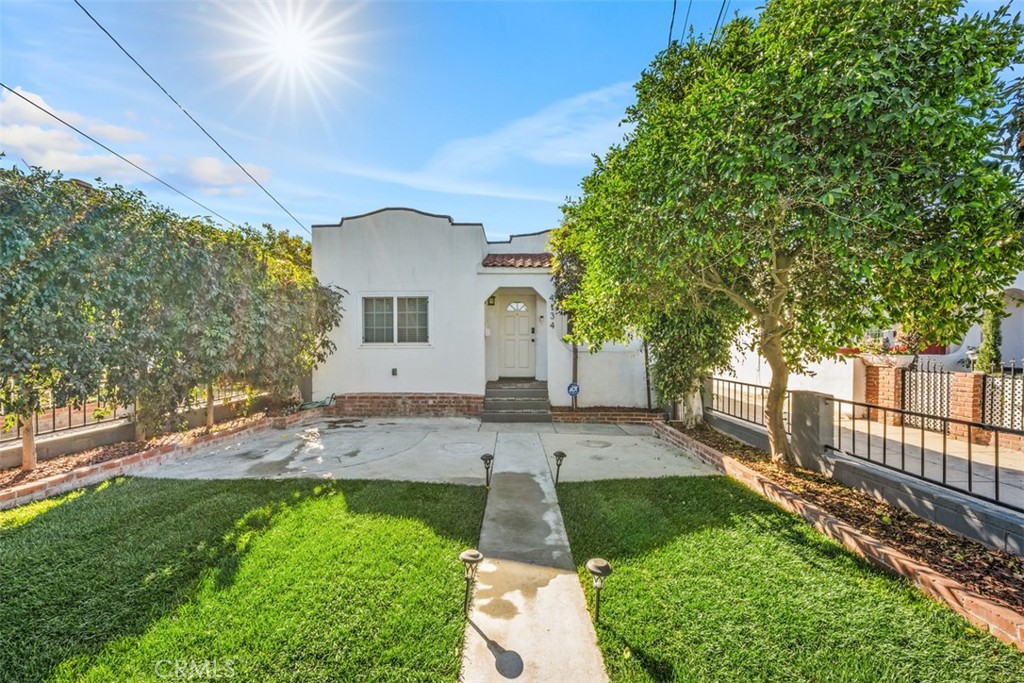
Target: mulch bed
x,y
65,463
993,573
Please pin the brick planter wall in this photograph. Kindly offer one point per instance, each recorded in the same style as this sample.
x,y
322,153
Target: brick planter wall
x,y
409,405
609,415
94,474
1000,620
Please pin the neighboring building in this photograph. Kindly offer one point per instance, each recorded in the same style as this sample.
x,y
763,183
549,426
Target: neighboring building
x,y
844,377
436,314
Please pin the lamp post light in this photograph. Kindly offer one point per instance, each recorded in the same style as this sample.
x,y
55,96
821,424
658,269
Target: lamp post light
x,y
559,457
600,570
471,560
488,460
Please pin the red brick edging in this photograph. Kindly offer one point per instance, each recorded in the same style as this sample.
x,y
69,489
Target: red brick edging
x,y
93,474
408,405
607,415
1000,620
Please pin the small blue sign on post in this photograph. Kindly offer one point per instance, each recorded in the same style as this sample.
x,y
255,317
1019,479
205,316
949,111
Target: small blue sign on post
x,y
574,389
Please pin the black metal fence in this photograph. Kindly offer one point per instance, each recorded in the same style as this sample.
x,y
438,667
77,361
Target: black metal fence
x,y
927,395
1003,402
902,441
63,418
743,401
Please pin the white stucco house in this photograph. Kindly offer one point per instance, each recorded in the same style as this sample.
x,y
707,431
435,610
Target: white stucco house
x,y
438,319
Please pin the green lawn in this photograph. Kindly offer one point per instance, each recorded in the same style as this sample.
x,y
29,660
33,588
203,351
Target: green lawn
x,y
713,583
273,580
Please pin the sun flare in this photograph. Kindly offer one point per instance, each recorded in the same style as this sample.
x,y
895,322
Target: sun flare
x,y
298,50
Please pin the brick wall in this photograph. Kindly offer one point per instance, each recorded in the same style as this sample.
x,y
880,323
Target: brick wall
x,y
609,415
883,386
966,394
425,405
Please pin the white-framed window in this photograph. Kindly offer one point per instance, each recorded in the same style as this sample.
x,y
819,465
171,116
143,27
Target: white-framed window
x,y
396,319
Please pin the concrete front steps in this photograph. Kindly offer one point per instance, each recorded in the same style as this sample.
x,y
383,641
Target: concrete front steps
x,y
516,400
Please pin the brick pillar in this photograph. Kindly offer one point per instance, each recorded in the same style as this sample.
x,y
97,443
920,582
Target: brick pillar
x,y
966,394
883,386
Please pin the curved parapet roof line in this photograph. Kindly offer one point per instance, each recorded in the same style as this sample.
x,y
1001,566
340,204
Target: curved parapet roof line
x,y
392,208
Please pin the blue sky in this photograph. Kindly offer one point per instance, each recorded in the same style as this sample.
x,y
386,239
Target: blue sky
x,y
485,111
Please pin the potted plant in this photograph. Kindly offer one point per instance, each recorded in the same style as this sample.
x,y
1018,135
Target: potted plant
x,y
897,353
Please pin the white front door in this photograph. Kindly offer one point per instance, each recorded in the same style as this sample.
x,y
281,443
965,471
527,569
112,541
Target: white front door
x,y
518,347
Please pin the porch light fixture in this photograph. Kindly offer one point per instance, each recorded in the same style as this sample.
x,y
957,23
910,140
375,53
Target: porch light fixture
x,y
488,459
471,560
600,570
490,301
559,457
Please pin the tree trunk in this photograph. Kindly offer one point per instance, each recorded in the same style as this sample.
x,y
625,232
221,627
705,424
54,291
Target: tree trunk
x,y
209,406
775,405
28,444
691,409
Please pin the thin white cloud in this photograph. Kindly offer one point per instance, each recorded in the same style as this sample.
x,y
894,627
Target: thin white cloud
x,y
223,191
212,171
565,133
29,134
435,182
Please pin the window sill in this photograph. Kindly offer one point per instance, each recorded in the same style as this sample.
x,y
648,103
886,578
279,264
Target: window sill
x,y
395,345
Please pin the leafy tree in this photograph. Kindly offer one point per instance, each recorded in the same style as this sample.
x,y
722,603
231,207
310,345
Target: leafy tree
x,y
106,294
832,166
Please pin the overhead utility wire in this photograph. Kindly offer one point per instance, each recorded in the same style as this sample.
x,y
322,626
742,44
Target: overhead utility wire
x,y
192,119
686,21
722,12
119,156
672,24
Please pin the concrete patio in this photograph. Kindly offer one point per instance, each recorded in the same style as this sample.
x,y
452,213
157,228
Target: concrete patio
x,y
428,449
529,618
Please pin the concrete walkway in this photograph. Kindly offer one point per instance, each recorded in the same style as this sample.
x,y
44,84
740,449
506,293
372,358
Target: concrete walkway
x,y
529,619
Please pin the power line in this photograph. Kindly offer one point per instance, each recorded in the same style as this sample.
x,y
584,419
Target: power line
x,y
672,24
192,119
119,156
722,12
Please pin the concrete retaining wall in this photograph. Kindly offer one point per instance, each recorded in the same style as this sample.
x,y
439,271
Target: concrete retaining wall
x,y
992,525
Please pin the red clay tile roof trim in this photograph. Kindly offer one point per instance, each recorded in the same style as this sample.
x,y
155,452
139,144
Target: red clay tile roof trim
x,y
542,260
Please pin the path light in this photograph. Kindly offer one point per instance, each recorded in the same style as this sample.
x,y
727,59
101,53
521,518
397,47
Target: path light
x,y
471,560
599,569
559,457
488,459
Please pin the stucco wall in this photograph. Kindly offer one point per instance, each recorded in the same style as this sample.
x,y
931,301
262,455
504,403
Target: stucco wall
x,y
405,252
402,252
843,379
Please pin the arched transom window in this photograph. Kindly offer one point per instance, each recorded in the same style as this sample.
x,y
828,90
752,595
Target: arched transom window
x,y
516,306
